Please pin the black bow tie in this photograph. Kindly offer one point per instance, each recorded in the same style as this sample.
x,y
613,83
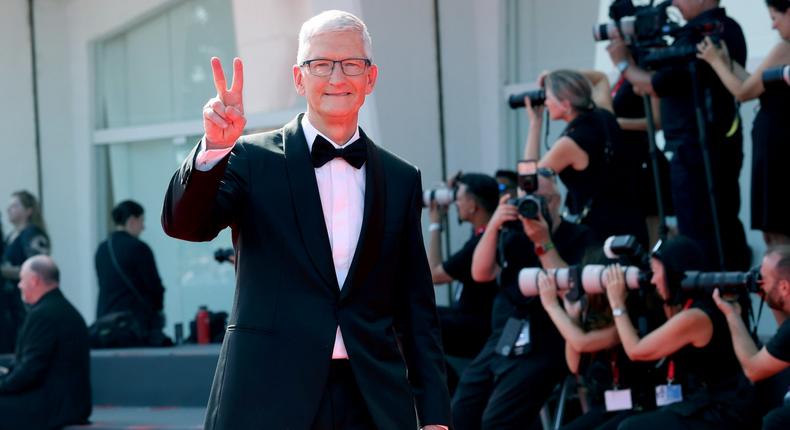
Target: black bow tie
x,y
354,153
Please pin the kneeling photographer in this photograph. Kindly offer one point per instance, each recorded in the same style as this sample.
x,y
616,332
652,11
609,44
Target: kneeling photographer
x,y
775,356
696,109
522,361
590,156
712,392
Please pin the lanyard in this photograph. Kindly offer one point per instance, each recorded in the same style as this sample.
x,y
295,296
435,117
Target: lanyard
x,y
671,366
480,230
615,371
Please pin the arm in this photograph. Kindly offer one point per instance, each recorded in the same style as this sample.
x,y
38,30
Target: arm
x,y
732,74
572,358
532,146
564,153
640,124
435,260
416,319
601,89
639,78
757,365
484,264
152,283
691,326
34,357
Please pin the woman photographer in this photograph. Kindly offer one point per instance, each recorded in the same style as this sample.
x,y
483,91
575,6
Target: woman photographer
x,y
715,394
770,130
589,157
593,351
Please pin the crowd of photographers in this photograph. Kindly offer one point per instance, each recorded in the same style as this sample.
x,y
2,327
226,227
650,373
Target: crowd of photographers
x,y
659,339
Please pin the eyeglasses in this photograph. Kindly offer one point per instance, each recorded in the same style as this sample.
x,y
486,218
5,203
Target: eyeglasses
x,y
350,66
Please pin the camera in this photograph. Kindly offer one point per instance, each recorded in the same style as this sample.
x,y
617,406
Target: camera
x,y
529,206
443,196
578,280
536,98
224,254
726,282
777,74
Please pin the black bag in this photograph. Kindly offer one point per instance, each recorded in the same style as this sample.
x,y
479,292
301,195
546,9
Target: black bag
x,y
118,330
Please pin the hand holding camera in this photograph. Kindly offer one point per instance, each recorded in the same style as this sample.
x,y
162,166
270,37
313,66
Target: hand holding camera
x,y
726,307
713,52
548,291
614,283
504,213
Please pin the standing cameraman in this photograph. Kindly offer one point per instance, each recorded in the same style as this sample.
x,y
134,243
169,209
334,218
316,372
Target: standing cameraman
x,y
775,356
465,326
522,361
674,84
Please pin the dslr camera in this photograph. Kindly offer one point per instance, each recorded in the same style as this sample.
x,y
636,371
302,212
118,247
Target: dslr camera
x,y
536,98
529,206
443,196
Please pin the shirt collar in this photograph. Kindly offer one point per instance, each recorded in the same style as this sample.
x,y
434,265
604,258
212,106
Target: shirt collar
x,y
310,133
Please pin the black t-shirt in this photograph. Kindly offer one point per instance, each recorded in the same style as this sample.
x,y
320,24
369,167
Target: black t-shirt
x,y
477,298
779,345
673,85
516,252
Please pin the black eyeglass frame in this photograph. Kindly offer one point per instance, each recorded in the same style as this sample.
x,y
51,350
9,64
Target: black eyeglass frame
x,y
307,63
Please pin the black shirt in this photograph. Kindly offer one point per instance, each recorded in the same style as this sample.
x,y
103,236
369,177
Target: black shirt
x,y
673,84
477,298
779,345
516,252
137,262
29,242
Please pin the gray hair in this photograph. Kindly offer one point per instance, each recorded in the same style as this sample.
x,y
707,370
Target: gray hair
x,y
571,86
332,21
45,268
783,265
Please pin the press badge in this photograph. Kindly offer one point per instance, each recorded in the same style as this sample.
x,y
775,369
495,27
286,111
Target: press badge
x,y
618,400
521,345
668,394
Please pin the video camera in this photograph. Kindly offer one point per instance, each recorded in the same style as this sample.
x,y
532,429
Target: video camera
x,y
645,29
777,74
589,279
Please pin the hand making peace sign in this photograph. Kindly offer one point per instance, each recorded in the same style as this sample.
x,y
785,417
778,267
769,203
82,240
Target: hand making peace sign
x,y
223,115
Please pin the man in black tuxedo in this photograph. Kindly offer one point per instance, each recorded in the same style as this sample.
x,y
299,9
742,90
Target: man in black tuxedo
x,y
48,384
334,321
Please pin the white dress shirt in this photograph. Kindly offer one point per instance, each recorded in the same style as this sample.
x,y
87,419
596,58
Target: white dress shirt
x,y
342,191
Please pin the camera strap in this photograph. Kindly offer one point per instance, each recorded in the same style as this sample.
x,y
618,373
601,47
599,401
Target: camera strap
x,y
125,279
617,399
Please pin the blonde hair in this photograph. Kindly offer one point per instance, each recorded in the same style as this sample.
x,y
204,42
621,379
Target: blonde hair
x,y
571,86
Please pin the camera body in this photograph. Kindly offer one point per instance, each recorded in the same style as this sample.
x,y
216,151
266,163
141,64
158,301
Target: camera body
x,y
223,254
536,98
529,206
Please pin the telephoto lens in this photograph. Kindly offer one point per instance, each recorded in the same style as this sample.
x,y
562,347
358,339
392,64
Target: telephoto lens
x,y
777,74
536,97
442,196
592,278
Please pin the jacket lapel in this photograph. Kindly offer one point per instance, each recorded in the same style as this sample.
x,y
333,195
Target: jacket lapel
x,y
372,231
307,201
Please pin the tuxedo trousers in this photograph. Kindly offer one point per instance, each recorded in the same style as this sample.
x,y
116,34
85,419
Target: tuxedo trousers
x,y
342,406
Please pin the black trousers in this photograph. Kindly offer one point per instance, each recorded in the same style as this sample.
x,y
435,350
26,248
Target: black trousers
x,y
692,202
502,393
342,406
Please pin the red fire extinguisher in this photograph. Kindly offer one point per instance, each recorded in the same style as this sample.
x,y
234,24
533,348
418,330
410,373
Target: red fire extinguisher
x,y
202,322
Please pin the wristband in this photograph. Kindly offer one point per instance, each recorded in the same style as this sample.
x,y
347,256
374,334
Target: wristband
x,y
435,226
541,250
622,66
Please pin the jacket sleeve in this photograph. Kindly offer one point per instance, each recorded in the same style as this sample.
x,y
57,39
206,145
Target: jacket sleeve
x,y
418,323
198,205
33,358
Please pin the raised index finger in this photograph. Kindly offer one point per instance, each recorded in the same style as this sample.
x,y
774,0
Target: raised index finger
x,y
219,76
238,76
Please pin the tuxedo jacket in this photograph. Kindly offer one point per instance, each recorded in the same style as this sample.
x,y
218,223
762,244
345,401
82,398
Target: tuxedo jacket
x,y
274,362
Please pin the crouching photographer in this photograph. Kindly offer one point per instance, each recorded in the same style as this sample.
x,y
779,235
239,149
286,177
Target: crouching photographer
x,y
712,392
506,385
775,356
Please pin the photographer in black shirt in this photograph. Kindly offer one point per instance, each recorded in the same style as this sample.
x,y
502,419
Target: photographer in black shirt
x,y
674,84
522,361
467,324
775,356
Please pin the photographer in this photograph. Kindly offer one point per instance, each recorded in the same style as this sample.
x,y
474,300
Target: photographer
x,y
712,394
465,326
775,356
770,130
589,157
593,351
675,85
522,361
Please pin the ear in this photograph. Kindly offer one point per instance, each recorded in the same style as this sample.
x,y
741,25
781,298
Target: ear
x,y
298,80
784,287
372,74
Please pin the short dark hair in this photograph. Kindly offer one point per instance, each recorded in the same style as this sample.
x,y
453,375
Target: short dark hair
x,y
46,269
779,5
125,210
483,188
783,265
